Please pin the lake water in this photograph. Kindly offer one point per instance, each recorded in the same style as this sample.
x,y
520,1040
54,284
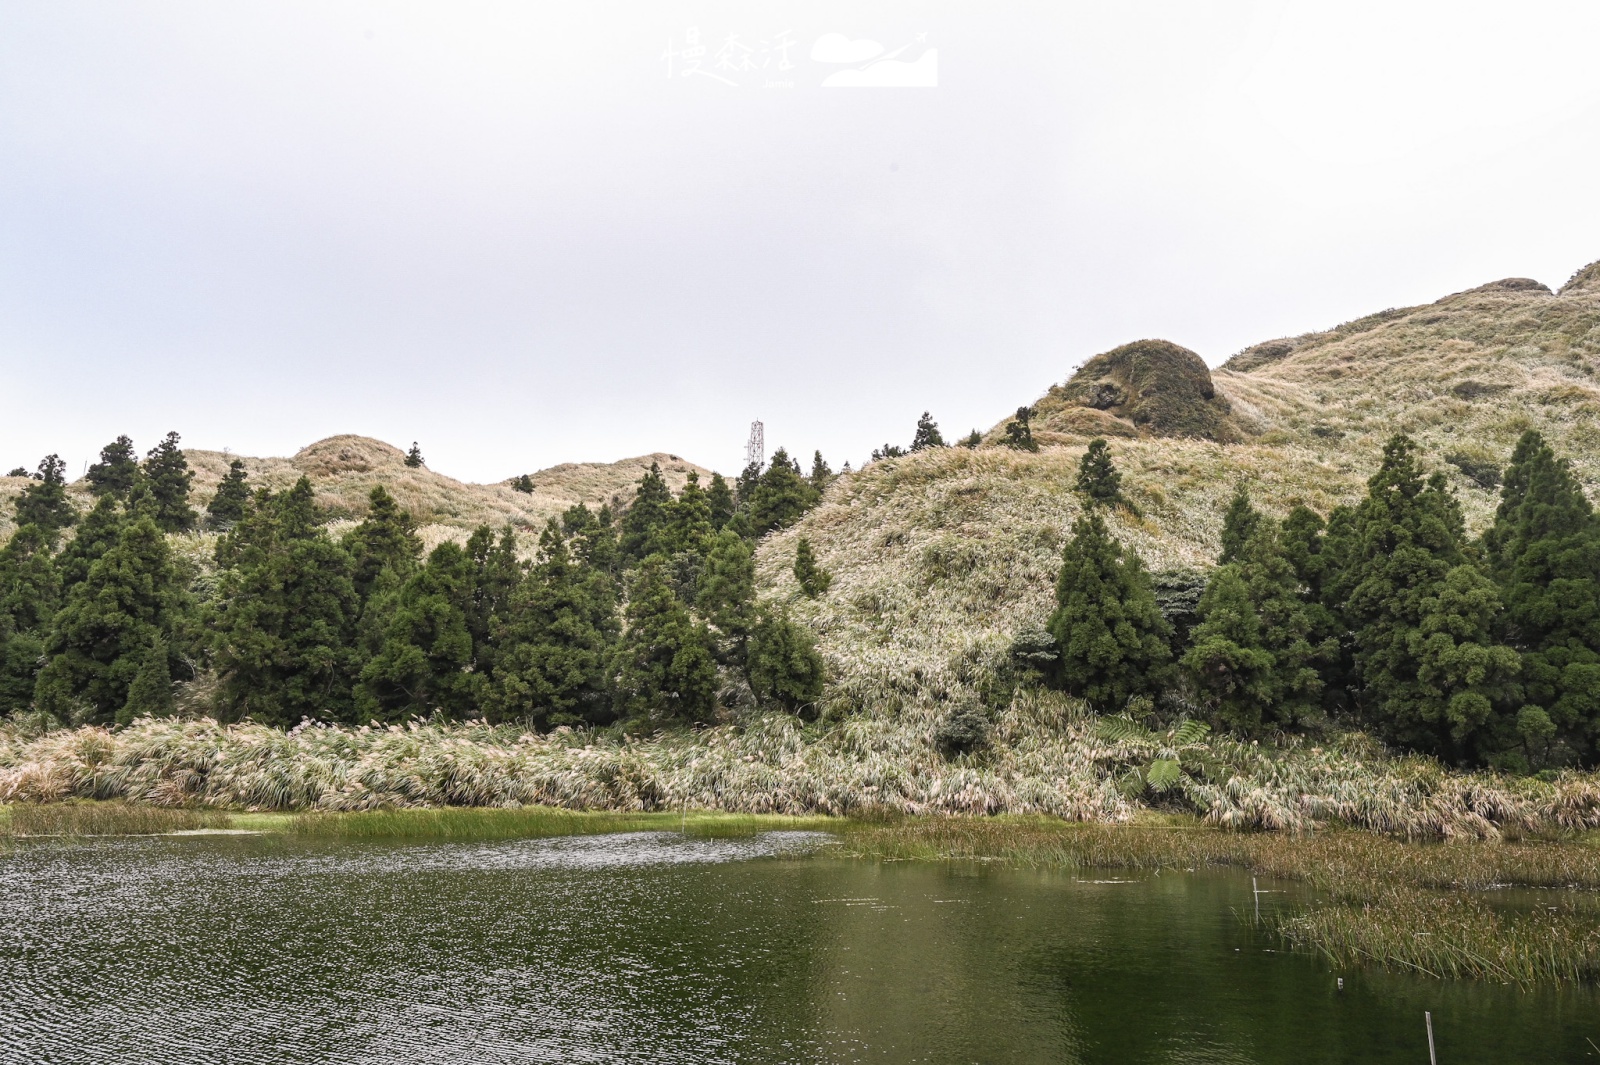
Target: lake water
x,y
652,947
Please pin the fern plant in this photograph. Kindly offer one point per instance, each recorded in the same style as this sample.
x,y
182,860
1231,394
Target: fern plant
x,y
1174,751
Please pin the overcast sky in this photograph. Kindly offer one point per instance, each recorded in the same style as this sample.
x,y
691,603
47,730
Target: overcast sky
x,y
531,233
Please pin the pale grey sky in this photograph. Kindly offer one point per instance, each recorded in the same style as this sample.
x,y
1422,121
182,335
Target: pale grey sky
x,y
505,231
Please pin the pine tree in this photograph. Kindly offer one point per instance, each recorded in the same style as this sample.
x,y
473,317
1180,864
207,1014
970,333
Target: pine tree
x,y
1098,479
150,694
1421,615
1239,524
665,669
414,456
285,614
726,595
96,534
784,666
688,523
497,578
385,539
1544,554
1111,635
232,497
424,663
927,434
1019,431
814,581
30,593
972,439
782,496
166,473
131,596
821,473
888,451
720,501
557,643
44,502
644,524
745,487
523,483
117,471
1253,654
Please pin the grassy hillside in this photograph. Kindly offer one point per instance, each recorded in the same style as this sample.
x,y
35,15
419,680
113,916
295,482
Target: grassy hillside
x,y
344,469
941,557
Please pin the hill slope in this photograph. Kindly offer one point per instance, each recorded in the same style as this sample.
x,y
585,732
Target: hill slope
x,y
941,557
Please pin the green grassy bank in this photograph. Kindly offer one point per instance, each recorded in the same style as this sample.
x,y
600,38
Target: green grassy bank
x,y
1446,909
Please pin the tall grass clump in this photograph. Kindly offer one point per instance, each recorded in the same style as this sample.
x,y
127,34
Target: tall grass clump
x,y
106,819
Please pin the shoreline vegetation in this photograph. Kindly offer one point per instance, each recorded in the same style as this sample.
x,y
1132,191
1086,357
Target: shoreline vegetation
x,y
1523,912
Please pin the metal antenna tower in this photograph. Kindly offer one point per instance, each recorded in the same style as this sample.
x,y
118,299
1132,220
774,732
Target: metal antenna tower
x,y
755,452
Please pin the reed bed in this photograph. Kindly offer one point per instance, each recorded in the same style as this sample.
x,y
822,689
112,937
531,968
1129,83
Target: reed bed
x,y
105,819
1417,907
534,823
1046,758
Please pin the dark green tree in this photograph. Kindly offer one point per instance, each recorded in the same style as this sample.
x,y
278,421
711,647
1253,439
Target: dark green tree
x,y
1098,480
1239,524
385,539
95,535
44,502
425,661
1544,554
814,580
688,525
726,596
645,523
972,439
117,471
1019,431
98,641
784,666
285,614
927,434
1422,616
782,495
665,669
523,483
150,694
1112,638
745,486
719,498
232,497
167,475
414,456
1252,657
888,451
557,642
30,593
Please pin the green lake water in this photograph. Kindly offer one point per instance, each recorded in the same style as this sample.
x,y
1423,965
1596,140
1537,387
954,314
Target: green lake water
x,y
653,947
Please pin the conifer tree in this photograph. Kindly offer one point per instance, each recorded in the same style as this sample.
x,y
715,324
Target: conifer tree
x,y
720,502
644,524
1239,524
44,502
232,497
1422,616
1544,554
30,592
150,694
927,434
745,485
166,474
784,666
117,471
385,539
726,595
523,483
814,580
285,615
424,663
665,669
557,642
1252,655
95,535
1019,431
972,439
131,596
497,576
1098,480
782,495
821,473
1107,624
689,520
414,456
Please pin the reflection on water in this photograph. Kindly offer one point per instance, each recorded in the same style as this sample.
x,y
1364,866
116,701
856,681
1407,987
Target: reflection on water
x,y
651,947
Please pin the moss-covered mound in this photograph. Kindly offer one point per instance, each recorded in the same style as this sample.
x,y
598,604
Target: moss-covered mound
x,y
1155,385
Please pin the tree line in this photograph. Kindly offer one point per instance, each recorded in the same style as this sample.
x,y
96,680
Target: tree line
x,y
647,617
1384,615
